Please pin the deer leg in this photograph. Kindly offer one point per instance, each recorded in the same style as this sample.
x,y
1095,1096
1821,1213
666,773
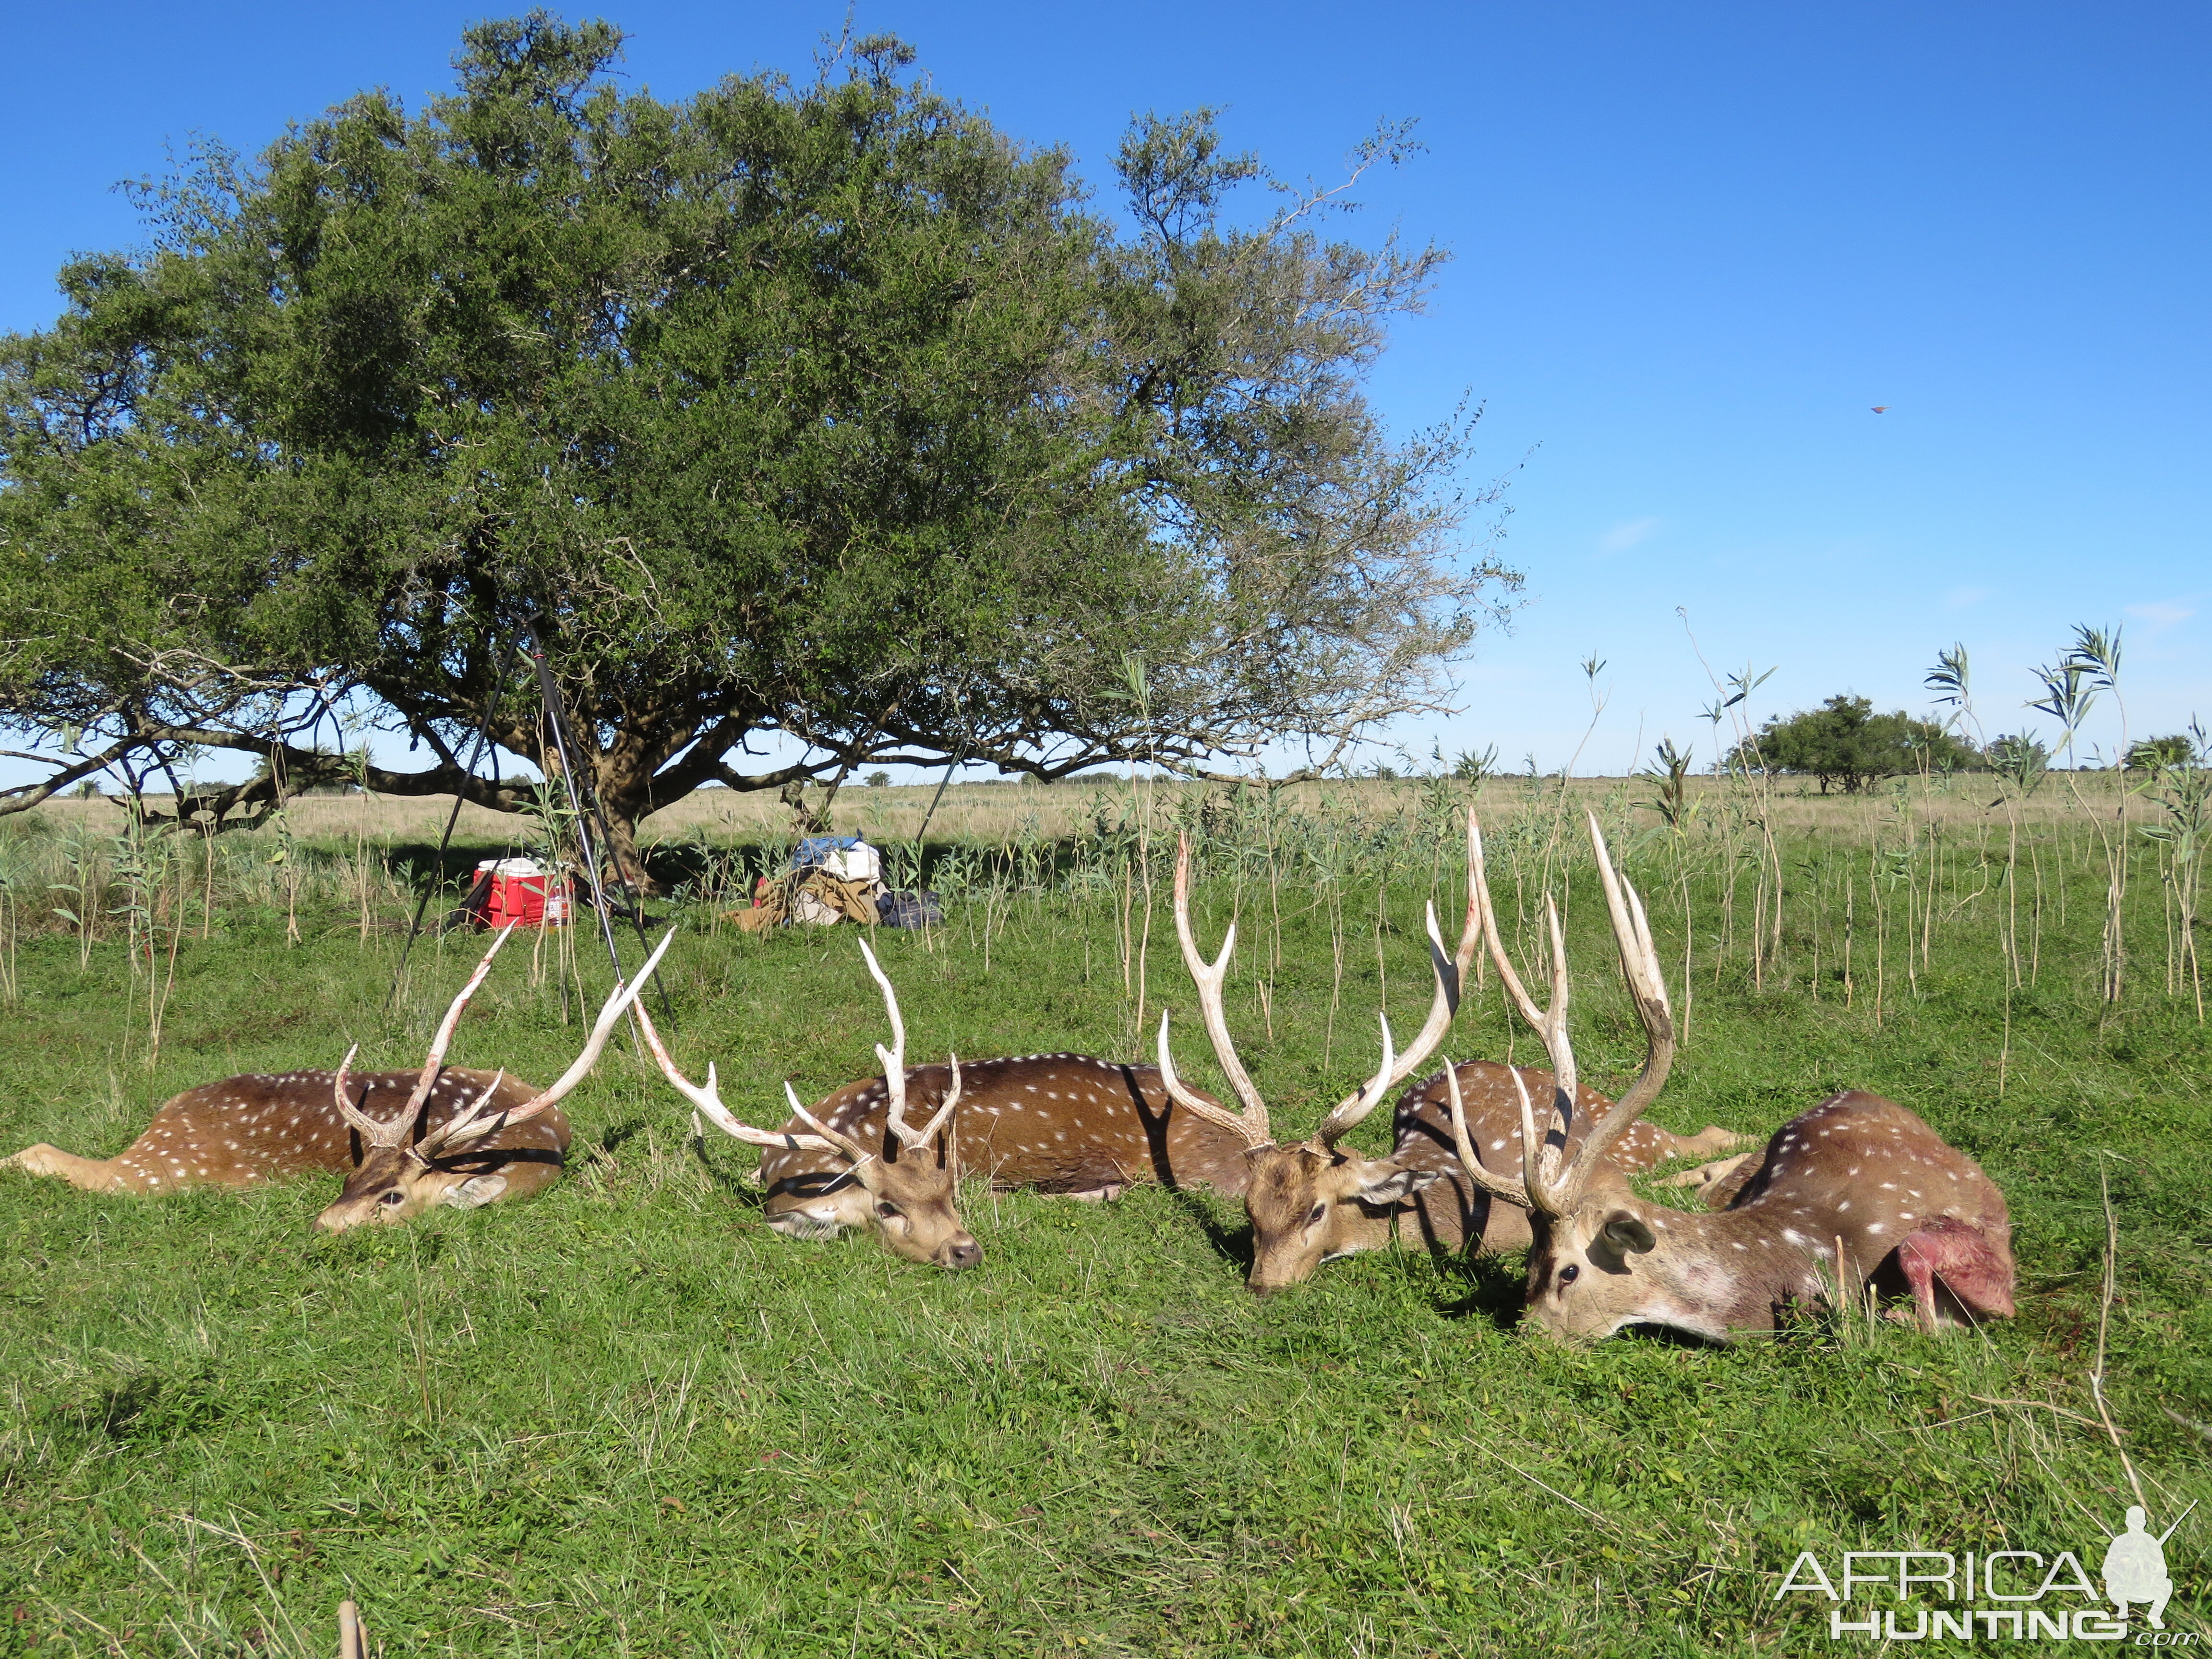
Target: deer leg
x,y
1715,1183
1708,1140
93,1175
1955,1255
1105,1194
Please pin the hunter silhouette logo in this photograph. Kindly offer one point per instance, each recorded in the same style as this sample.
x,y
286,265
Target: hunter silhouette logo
x,y
2135,1568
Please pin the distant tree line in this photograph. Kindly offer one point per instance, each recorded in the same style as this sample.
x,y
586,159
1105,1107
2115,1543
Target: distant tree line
x,y
1845,744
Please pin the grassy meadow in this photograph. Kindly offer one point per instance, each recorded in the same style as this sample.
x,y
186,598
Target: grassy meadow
x,y
626,1420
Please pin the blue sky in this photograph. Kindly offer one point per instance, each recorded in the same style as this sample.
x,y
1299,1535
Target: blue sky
x,y
1694,247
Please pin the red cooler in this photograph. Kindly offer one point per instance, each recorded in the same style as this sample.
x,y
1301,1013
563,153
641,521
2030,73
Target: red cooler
x,y
522,891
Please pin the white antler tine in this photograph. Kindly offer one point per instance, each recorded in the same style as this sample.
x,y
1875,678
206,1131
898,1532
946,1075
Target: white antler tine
x,y
893,1059
1208,978
1535,1149
1647,989
1219,968
890,1000
1523,1001
618,1001
1550,1024
1355,1107
1451,970
928,1132
835,1138
1235,1123
708,1101
467,1124
891,997
1451,973
1462,1142
373,1134
1556,1041
1381,1081
1470,1159
434,1063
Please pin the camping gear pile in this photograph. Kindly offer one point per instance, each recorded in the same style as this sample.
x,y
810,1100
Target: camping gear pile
x,y
834,878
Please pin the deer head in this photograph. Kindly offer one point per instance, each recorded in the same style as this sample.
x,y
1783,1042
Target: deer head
x,y
906,1190
409,1163
1856,1195
1307,1199
1603,1258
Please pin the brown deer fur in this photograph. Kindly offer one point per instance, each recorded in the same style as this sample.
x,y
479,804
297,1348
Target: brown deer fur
x,y
1854,1198
875,1170
411,1140
245,1131
1309,1207
1066,1124
1454,1212
1911,1213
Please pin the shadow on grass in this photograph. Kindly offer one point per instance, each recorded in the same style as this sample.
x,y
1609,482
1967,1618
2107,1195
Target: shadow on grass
x,y
729,1180
1492,1291
1233,1243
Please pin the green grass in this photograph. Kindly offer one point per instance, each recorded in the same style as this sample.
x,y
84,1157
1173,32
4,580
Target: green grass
x,y
627,1420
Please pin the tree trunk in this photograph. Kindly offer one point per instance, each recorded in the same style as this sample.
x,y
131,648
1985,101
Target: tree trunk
x,y
625,862
623,790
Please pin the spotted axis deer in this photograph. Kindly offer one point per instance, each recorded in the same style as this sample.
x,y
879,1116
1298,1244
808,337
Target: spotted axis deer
x,y
856,1161
1856,1196
1316,1201
455,1138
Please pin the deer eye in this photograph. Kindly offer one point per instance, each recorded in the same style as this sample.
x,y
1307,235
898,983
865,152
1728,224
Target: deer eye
x,y
1569,1273
393,1197
887,1210
1313,1218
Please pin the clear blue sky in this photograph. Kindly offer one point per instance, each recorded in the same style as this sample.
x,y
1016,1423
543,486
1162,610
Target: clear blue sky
x,y
1695,246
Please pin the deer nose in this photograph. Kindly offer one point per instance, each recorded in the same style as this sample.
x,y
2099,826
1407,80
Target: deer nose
x,y
965,1254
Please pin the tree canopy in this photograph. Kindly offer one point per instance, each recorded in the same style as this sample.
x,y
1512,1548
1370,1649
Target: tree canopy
x,y
2175,749
1844,742
813,409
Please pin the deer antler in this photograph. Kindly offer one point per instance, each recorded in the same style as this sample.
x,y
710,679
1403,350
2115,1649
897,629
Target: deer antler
x,y
708,1100
474,1124
1549,1188
1251,1124
1647,987
1513,1192
894,1063
1450,972
393,1131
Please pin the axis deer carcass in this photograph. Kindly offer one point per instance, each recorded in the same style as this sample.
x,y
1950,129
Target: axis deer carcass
x,y
855,1160
1064,1125
406,1141
1854,1197
1316,1201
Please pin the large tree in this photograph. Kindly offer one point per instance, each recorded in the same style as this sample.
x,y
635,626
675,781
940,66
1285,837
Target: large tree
x,y
819,409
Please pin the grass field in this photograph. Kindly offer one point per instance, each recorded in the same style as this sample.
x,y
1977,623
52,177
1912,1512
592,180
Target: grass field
x,y
626,1420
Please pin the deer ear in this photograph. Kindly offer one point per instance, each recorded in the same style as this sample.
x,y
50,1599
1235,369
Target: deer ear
x,y
474,1192
1627,1234
1388,1183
